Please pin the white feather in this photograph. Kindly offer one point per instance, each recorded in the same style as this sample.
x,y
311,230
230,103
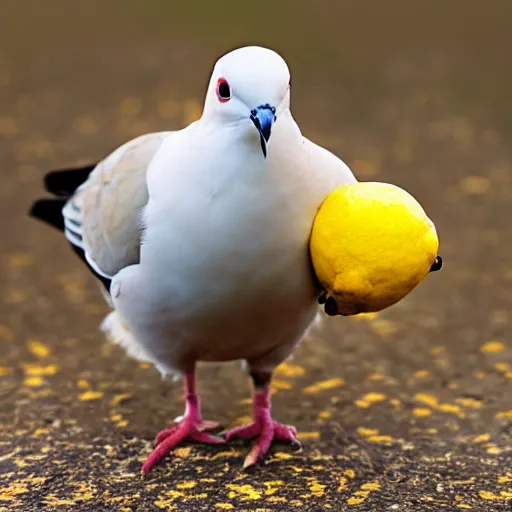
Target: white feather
x,y
224,270
117,332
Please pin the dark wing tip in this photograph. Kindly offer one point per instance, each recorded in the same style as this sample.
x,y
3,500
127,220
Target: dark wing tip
x,y
49,211
64,182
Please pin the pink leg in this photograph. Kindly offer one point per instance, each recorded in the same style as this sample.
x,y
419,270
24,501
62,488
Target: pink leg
x,y
263,427
191,428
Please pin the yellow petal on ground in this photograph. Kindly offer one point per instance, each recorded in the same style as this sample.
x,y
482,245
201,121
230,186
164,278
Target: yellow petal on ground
x,y
82,384
182,451
323,385
245,492
482,438
371,486
38,348
41,432
421,412
281,384
492,346
306,436
451,408
488,495
427,399
363,431
38,370
33,382
289,370
469,402
324,415
492,449
342,483
355,501
376,376
370,398
90,395
380,439
117,399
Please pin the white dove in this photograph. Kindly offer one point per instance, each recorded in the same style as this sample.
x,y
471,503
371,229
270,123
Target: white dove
x,y
201,236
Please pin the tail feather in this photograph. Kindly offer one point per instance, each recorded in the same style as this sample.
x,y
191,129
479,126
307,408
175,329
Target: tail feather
x,y
49,211
117,332
61,184
64,182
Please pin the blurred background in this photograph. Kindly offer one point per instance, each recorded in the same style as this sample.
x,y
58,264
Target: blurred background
x,y
397,408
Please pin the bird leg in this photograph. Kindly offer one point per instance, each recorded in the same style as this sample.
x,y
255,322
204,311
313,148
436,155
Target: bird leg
x,y
263,427
191,427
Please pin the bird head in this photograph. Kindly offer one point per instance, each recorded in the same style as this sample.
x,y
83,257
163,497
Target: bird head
x,y
253,84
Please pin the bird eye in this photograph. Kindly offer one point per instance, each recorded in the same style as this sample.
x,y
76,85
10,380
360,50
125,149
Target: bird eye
x,y
223,90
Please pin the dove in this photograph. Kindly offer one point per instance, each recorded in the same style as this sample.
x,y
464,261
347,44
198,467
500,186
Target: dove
x,y
200,238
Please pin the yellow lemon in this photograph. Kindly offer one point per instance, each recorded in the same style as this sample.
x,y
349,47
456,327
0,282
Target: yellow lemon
x,y
371,244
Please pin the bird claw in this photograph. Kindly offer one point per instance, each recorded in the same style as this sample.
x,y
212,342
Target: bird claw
x,y
266,431
331,307
437,265
204,426
187,430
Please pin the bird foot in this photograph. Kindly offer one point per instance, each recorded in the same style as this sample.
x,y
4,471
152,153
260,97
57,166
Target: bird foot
x,y
199,428
266,430
188,429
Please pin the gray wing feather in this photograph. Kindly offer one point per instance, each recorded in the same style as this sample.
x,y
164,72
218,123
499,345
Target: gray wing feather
x,y
103,215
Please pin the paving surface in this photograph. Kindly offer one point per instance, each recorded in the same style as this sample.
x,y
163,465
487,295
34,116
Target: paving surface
x,y
407,410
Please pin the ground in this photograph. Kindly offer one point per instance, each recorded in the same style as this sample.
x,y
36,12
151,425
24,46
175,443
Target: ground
x,y
407,410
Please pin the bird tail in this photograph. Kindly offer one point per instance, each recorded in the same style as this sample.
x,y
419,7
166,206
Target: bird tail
x,y
49,211
116,331
61,184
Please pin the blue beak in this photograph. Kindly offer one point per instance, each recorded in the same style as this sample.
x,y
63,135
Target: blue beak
x,y
263,117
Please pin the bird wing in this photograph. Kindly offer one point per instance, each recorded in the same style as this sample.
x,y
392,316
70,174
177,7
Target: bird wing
x,y
335,172
103,216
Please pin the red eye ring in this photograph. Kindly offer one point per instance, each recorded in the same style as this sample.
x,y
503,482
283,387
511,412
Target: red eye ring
x,y
223,90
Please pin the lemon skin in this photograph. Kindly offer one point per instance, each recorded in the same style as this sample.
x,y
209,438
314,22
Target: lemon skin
x,y
371,244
